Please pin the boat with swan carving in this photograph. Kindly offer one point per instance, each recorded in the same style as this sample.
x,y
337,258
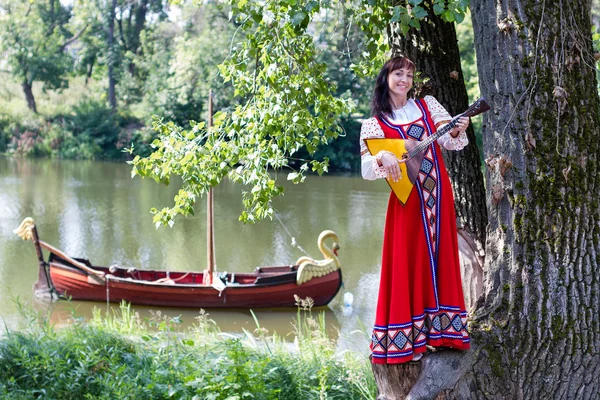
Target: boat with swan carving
x,y
63,276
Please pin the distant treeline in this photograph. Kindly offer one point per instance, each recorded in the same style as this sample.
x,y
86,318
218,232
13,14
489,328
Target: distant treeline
x,y
83,80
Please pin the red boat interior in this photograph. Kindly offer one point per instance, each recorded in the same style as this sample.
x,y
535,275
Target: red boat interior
x,y
260,276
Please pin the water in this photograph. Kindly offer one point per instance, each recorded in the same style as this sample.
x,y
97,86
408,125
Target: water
x,y
95,210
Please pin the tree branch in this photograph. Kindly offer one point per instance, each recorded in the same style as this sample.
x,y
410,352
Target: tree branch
x,y
50,29
121,34
72,39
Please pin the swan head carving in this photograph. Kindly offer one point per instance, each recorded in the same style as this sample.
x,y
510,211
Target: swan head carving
x,y
309,268
329,253
335,247
24,231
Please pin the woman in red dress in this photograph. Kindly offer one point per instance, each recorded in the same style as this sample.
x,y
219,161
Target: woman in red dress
x,y
420,295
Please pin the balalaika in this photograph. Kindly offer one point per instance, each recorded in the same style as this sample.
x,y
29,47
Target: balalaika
x,y
412,152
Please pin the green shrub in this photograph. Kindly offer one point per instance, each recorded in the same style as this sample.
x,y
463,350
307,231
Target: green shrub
x,y
5,133
26,136
95,127
118,356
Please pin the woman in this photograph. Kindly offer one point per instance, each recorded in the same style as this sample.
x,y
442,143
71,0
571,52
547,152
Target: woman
x,y
420,295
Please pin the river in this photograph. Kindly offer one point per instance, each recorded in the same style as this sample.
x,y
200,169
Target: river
x,y
94,210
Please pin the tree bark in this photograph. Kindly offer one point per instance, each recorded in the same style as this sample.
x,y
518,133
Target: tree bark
x,y
140,12
394,381
112,98
538,326
434,49
90,70
28,90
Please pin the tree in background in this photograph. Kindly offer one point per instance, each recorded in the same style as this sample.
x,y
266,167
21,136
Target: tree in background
x,y
132,20
286,104
111,51
114,43
33,40
340,41
180,63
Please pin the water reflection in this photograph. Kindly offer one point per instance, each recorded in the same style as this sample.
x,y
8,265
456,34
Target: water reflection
x,y
282,321
95,210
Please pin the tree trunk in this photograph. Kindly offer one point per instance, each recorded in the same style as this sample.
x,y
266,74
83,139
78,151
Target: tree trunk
x,y
112,98
140,22
28,90
434,49
90,70
394,381
538,326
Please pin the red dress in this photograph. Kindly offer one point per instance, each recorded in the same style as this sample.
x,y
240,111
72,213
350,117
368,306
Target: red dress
x,y
420,294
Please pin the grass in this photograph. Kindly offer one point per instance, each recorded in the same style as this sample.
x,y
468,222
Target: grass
x,y
49,103
117,355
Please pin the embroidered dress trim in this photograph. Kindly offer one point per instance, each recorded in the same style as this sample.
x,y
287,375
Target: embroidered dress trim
x,y
438,199
402,340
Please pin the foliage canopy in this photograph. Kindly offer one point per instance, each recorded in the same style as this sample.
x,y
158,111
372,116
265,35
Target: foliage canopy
x,y
286,102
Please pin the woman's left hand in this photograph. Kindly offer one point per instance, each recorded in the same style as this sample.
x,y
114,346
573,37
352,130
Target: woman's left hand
x,y
463,124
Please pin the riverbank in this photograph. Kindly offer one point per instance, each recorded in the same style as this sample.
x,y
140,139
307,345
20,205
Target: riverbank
x,y
119,355
89,130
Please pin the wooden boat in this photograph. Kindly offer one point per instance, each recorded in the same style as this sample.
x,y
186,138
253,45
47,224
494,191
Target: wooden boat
x,y
62,276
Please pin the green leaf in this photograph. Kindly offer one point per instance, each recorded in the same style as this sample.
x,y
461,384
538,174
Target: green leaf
x,y
415,2
311,5
405,23
419,12
219,118
399,11
438,9
298,18
448,16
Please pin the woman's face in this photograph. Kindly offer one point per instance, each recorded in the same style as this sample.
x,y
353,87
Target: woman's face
x,y
400,81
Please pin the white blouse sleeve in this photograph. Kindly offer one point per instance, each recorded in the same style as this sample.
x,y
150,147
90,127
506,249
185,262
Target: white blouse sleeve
x,y
369,167
440,117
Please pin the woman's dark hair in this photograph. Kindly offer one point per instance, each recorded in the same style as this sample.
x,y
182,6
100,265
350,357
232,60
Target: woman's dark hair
x,y
381,99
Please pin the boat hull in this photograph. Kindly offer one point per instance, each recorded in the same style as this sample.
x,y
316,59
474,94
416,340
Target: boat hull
x,y
267,287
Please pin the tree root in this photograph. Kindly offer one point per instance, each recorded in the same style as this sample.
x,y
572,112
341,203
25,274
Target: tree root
x,y
429,378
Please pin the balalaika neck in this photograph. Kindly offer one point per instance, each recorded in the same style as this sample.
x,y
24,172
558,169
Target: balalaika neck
x,y
474,109
430,139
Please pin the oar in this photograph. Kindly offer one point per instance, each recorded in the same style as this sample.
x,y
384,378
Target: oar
x,y
98,275
28,231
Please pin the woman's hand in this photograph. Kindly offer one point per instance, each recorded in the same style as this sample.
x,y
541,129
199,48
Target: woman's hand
x,y
388,161
463,124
